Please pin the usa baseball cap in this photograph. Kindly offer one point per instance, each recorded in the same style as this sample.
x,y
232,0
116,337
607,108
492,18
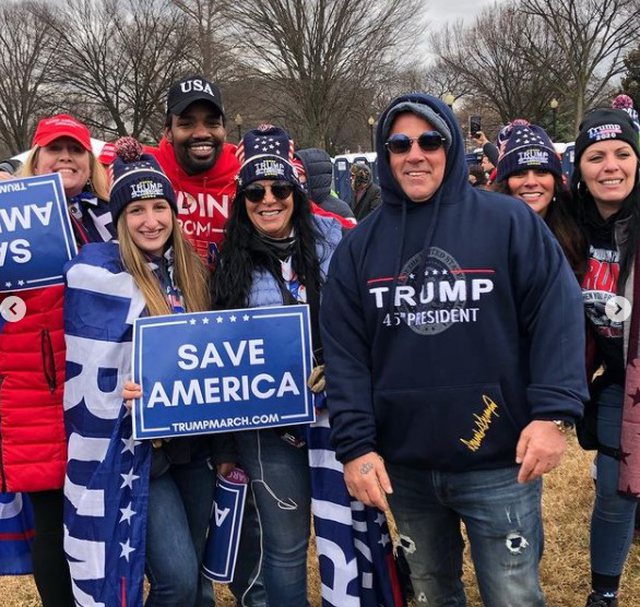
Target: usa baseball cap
x,y
190,89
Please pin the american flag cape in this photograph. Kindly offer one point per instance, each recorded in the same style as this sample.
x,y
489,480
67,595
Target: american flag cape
x,y
357,567
107,483
16,534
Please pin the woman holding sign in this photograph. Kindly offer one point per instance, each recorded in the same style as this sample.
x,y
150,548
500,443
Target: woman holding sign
x,y
275,252
150,271
32,367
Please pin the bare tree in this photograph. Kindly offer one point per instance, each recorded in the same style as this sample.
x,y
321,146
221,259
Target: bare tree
x,y
320,58
116,73
592,37
26,55
212,53
489,61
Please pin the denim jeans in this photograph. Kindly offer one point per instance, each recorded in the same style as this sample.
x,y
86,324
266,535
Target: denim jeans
x,y
180,503
281,487
613,516
503,523
248,585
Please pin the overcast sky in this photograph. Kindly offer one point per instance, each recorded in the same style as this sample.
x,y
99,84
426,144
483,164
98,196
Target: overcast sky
x,y
441,11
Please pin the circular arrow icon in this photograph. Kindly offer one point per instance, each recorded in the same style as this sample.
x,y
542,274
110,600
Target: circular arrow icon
x,y
618,308
13,308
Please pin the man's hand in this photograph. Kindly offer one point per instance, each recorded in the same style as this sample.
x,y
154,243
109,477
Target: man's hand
x,y
4,176
539,449
367,480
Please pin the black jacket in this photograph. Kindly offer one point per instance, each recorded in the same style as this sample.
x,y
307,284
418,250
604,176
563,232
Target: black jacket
x,y
319,169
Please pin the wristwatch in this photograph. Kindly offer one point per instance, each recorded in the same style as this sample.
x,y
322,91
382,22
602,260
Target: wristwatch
x,y
563,425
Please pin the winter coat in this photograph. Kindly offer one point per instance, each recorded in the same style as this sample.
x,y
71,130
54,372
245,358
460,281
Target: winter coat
x,y
33,442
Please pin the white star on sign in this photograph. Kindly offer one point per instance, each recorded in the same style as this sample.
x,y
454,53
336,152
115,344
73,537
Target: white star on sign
x,y
127,513
246,317
192,321
232,318
219,320
7,284
127,479
205,320
21,283
126,549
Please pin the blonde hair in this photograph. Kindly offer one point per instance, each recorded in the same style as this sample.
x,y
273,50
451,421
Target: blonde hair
x,y
190,274
98,178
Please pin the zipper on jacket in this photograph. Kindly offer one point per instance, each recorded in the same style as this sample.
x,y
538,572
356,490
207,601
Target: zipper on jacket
x,y
48,360
3,488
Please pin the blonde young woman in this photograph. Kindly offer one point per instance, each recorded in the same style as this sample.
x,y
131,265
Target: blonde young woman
x,y
154,264
31,384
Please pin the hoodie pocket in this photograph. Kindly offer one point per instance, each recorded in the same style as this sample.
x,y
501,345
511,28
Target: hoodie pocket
x,y
447,428
48,359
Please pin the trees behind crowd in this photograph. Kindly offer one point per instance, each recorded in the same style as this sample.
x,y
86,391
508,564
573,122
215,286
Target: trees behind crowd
x,y
314,66
320,68
520,55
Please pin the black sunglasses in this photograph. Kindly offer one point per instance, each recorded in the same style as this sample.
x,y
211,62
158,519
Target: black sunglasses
x,y
429,141
280,189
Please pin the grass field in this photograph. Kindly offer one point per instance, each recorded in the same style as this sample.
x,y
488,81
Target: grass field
x,y
568,496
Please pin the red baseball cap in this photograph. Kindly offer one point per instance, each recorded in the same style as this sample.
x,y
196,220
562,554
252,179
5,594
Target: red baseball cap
x,y
61,125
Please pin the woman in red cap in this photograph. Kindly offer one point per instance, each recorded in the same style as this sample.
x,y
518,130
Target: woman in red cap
x,y
33,448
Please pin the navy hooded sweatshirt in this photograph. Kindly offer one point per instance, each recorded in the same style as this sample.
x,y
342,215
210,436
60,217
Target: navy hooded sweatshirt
x,y
440,362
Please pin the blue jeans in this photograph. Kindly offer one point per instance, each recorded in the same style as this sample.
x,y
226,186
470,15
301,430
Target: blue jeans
x,y
281,487
180,503
504,527
613,516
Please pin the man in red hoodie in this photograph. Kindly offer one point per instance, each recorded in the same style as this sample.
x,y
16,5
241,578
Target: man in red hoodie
x,y
202,168
199,163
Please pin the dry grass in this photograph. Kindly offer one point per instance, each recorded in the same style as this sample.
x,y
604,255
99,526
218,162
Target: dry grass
x,y
568,496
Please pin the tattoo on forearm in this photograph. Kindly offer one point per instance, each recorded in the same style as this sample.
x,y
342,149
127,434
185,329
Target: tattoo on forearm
x,y
366,468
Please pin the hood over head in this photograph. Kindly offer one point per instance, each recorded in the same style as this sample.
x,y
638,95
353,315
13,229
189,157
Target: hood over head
x,y
319,170
441,117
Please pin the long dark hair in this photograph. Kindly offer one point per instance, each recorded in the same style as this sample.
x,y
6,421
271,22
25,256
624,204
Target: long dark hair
x,y
583,204
244,251
563,225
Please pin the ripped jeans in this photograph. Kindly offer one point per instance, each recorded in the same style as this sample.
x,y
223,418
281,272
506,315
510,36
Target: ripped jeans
x,y
281,486
503,523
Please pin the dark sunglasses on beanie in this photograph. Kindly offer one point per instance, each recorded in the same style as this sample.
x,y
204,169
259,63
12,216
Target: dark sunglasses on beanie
x,y
429,141
255,192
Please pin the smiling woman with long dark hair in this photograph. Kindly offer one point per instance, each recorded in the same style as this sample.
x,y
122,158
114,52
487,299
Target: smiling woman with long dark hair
x,y
276,252
606,197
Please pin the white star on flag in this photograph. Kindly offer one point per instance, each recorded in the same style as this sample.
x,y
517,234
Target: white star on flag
x,y
7,284
126,549
21,283
384,539
129,444
127,513
127,479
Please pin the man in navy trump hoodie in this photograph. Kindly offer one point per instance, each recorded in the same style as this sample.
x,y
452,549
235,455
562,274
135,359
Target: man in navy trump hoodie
x,y
454,344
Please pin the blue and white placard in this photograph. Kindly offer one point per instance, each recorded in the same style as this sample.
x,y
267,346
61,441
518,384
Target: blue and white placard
x,y
222,371
223,540
36,238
